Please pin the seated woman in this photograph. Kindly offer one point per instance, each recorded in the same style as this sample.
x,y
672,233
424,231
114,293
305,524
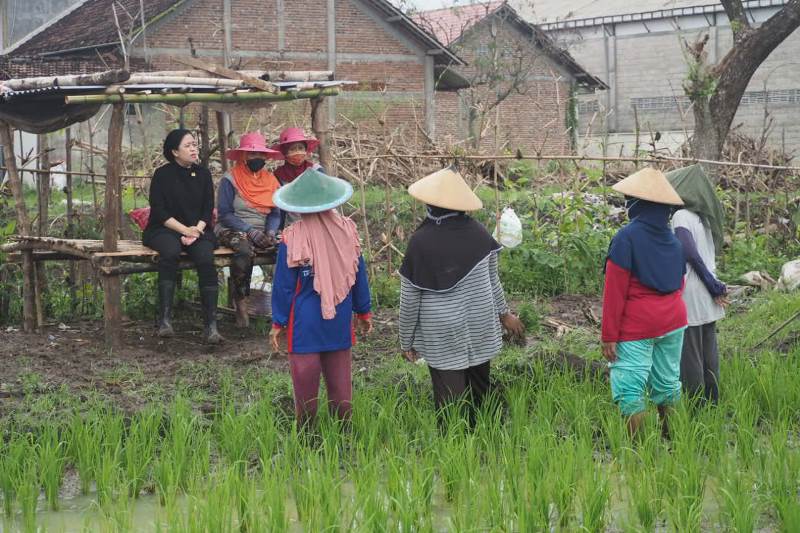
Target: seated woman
x,y
320,282
248,218
181,205
294,147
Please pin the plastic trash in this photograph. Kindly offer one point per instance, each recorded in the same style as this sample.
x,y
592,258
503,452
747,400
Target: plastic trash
x,y
790,276
509,230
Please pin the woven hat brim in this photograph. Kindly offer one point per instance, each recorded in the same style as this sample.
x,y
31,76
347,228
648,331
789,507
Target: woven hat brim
x,y
279,201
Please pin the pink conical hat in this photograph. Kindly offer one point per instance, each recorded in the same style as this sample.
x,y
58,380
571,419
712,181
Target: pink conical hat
x,y
252,142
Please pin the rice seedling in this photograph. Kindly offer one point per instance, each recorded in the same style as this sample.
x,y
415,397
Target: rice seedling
x,y
564,473
27,488
316,486
410,489
738,505
594,491
83,446
140,445
51,459
373,507
12,456
233,435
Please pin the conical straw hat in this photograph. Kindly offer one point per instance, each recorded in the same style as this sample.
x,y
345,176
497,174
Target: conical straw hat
x,y
649,184
447,189
312,192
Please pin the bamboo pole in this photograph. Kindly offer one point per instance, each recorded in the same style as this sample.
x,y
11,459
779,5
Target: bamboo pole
x,y
188,98
43,190
222,140
73,270
205,142
112,297
23,227
319,125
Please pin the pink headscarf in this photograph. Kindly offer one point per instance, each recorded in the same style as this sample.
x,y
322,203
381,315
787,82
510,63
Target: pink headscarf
x,y
329,243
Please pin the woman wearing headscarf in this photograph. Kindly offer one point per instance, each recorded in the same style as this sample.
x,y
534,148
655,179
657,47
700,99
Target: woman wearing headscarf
x,y
248,218
452,306
643,312
320,282
295,149
181,207
699,228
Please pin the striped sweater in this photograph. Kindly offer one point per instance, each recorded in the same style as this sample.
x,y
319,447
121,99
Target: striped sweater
x,y
458,328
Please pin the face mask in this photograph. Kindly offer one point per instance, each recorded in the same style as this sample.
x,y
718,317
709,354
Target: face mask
x,y
296,159
255,164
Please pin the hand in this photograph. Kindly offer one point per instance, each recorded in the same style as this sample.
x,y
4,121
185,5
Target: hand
x,y
259,238
193,231
610,351
722,300
274,339
364,325
410,355
512,324
188,241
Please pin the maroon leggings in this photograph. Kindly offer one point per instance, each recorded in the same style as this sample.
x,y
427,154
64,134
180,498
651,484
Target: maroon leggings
x,y
306,369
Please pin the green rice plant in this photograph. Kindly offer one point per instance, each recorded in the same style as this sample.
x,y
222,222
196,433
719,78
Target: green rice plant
x,y
51,458
183,447
783,480
373,506
83,446
644,489
594,492
564,473
409,487
316,486
266,433
108,462
233,432
213,507
27,488
12,456
685,505
457,458
745,417
140,446
739,508
273,502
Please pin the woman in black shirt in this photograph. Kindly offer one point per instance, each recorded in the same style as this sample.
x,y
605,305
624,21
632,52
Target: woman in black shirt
x,y
181,204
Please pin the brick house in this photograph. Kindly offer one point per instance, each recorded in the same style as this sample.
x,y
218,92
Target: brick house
x,y
401,68
517,77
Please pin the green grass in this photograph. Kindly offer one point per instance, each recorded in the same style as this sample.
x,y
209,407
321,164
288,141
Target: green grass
x,y
551,452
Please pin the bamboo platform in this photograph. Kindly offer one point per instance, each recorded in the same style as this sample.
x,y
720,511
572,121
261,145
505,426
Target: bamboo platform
x,y
131,257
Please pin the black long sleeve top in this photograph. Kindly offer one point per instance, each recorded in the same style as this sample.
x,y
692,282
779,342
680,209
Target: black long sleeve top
x,y
185,194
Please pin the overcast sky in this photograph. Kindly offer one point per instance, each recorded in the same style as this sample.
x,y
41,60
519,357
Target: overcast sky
x,y
426,4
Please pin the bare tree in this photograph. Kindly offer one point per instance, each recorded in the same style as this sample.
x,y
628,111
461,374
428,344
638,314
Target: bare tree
x,y
501,61
716,90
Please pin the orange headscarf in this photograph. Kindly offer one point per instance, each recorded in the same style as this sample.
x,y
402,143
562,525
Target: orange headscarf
x,y
255,188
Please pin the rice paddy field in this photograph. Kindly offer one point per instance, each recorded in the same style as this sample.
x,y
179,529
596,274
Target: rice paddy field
x,y
549,452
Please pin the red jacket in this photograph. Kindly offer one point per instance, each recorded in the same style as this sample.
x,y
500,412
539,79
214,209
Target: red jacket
x,y
632,311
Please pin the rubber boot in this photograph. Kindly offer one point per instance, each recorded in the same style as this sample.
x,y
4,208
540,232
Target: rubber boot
x,y
242,316
208,298
166,294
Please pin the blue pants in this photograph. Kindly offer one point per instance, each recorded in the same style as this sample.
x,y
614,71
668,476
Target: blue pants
x,y
651,366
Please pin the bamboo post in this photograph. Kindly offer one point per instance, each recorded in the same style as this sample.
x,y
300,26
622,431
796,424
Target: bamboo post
x,y
319,125
112,297
205,144
73,270
91,166
222,140
23,227
43,195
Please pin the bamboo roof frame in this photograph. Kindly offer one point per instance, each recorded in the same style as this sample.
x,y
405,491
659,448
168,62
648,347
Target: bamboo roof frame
x,y
106,260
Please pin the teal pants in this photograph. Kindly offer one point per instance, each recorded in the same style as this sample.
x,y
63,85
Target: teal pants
x,y
651,366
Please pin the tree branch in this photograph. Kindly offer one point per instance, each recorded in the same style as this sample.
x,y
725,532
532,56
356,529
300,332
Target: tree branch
x,y
737,16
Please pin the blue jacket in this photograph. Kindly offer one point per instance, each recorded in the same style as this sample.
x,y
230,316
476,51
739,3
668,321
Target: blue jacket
x,y
227,216
296,307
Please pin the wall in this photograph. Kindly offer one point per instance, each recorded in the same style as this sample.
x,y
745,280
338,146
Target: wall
x,y
646,68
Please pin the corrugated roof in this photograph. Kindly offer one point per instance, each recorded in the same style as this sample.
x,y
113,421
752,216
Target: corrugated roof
x,y
554,10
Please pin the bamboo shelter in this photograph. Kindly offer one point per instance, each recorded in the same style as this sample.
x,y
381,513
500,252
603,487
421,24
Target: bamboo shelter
x,y
45,104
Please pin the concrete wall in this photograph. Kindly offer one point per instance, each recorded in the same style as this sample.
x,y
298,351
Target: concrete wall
x,y
644,65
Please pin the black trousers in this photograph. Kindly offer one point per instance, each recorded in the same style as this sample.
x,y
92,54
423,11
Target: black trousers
x,y
700,363
469,385
242,263
169,247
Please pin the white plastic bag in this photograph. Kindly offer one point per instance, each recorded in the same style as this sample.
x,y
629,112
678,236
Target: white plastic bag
x,y
509,230
790,276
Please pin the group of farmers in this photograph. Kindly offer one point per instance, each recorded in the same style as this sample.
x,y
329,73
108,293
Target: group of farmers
x,y
660,303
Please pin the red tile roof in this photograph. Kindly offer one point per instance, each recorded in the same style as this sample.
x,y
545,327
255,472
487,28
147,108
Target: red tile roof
x,y
449,23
